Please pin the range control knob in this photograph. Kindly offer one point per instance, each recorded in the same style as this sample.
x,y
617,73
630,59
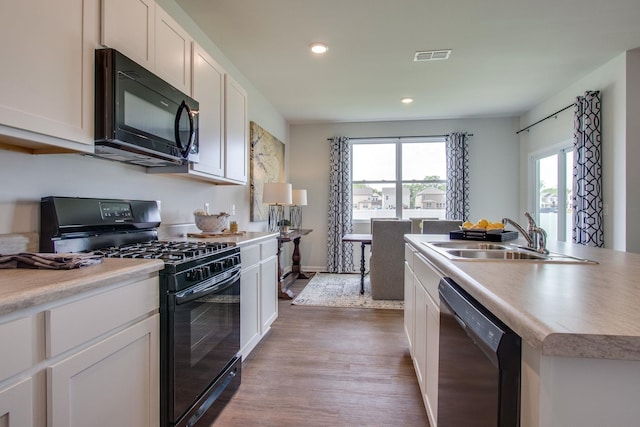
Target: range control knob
x,y
206,271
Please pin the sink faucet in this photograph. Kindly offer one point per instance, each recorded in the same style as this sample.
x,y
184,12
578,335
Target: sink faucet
x,y
536,236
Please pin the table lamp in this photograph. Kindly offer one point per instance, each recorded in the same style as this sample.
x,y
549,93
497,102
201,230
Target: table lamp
x,y
276,194
299,199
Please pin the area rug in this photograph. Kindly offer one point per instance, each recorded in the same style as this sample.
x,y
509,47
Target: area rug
x,y
341,290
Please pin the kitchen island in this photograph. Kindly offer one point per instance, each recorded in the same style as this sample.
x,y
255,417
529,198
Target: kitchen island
x,y
580,329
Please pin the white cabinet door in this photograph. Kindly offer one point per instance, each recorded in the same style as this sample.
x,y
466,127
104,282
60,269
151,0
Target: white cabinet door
x,y
249,309
112,383
431,362
236,131
268,293
16,405
46,77
409,306
420,338
129,27
173,51
208,90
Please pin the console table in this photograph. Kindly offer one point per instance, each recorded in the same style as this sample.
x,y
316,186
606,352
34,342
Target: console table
x,y
296,273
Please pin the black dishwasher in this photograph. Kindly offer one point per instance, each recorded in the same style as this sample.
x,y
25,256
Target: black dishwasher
x,y
479,364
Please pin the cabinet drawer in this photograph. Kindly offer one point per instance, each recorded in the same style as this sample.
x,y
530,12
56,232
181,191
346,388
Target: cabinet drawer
x,y
428,276
16,338
268,249
408,254
250,255
72,324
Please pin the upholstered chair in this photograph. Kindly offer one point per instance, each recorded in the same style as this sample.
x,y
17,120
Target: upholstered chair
x,y
440,226
416,224
386,265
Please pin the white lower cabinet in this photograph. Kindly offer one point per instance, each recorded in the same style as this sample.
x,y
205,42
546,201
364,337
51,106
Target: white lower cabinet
x,y
249,309
422,322
269,293
258,293
16,404
113,382
86,360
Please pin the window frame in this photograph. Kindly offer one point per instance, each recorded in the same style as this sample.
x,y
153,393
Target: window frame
x,y
398,182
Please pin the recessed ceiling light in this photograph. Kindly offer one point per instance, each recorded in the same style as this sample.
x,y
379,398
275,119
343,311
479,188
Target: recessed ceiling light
x,y
406,100
319,48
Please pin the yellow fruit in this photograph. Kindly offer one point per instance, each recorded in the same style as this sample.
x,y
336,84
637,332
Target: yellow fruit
x,y
467,224
482,223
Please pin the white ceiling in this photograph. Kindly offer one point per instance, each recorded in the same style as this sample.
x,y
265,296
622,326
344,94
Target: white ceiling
x,y
508,55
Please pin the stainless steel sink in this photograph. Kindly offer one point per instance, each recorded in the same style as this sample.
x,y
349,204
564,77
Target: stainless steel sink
x,y
488,251
471,245
494,254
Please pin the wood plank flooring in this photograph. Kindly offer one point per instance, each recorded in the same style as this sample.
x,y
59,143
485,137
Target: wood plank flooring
x,y
323,366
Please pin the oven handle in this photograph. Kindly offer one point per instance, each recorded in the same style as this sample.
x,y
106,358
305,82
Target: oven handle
x,y
191,294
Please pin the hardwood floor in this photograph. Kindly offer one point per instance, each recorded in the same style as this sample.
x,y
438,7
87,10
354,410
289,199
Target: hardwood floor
x,y
322,366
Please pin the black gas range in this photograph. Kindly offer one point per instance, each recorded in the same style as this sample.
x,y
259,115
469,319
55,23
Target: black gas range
x,y
199,297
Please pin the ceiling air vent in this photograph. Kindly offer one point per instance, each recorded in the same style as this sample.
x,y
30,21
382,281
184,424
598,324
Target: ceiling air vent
x,y
432,55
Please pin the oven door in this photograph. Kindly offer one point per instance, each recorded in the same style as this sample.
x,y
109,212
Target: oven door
x,y
203,337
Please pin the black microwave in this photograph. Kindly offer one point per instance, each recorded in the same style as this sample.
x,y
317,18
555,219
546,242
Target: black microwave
x,y
140,118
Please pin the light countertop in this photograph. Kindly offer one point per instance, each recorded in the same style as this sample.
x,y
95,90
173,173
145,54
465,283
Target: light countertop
x,y
24,288
572,310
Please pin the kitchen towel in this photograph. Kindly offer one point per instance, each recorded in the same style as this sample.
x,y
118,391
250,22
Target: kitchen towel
x,y
49,261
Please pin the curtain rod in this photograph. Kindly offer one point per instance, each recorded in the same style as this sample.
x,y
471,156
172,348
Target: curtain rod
x,y
546,118
399,137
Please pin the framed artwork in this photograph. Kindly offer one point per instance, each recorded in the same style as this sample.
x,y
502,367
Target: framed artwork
x,y
267,165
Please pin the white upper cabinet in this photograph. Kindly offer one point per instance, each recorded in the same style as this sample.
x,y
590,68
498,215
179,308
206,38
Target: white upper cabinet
x,y
173,51
46,78
129,27
208,90
223,125
147,34
236,131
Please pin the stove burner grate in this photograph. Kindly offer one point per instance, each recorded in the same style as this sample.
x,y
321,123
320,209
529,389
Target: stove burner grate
x,y
168,251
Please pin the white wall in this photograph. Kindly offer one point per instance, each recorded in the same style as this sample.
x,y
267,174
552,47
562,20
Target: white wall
x,y
493,152
619,83
26,178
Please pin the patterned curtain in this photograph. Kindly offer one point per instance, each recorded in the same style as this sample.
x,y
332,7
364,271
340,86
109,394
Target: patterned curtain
x,y
340,255
457,203
587,171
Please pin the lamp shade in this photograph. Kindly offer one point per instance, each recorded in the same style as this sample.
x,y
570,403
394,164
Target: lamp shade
x,y
299,198
276,193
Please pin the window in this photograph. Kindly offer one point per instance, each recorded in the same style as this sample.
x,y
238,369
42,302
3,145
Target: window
x,y
417,166
552,207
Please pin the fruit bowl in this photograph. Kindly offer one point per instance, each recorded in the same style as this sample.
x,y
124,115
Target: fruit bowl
x,y
212,223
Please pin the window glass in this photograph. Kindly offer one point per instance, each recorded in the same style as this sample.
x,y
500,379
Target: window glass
x,y
552,191
374,162
548,195
421,158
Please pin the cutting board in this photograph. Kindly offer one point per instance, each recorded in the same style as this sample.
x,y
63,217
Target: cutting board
x,y
205,235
